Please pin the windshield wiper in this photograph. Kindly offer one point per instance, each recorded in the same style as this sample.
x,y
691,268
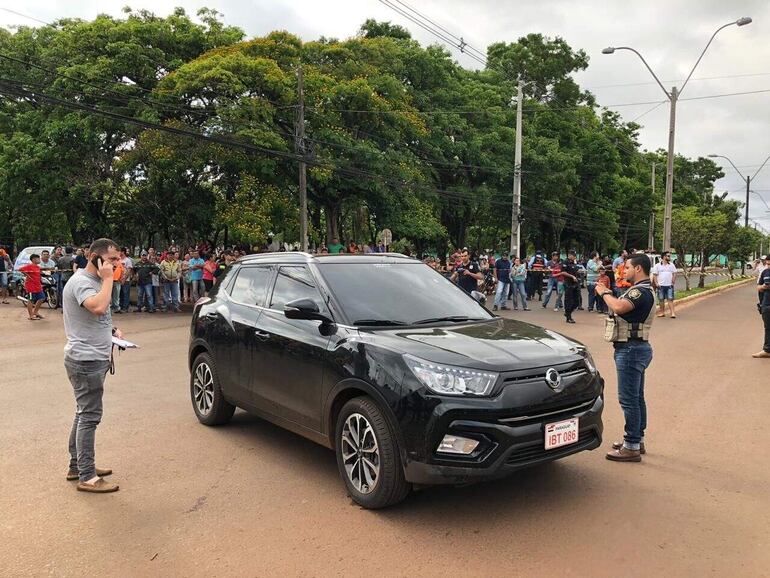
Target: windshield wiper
x,y
452,318
378,322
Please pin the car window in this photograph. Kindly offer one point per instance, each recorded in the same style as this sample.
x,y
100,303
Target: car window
x,y
404,292
294,282
250,286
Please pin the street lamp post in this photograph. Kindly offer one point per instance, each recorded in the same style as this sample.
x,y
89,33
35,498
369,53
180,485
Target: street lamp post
x,y
673,96
747,179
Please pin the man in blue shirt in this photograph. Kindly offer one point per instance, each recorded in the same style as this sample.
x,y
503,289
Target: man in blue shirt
x,y
763,286
196,275
619,259
503,274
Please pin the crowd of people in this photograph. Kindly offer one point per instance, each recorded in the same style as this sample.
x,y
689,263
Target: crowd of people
x,y
562,279
164,280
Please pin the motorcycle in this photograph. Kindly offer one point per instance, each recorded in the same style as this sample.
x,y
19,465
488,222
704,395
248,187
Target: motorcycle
x,y
49,288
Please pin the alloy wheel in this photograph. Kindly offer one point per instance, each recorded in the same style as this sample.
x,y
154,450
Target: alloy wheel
x,y
360,453
203,388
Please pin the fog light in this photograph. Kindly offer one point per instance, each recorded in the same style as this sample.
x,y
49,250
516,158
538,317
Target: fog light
x,y
457,445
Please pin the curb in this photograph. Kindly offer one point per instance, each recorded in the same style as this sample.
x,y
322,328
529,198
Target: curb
x,y
690,299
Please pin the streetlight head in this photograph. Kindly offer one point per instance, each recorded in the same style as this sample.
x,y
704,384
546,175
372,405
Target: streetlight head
x,y
608,50
743,21
712,156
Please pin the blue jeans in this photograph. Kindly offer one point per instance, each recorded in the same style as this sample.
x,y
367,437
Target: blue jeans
x,y
171,294
631,360
145,297
554,285
501,294
593,301
125,295
59,287
520,290
115,296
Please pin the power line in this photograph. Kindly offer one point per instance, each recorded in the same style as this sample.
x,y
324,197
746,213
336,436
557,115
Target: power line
x,y
678,81
26,16
463,44
428,28
649,111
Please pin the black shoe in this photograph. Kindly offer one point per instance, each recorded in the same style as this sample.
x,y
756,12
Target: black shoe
x,y
570,320
581,309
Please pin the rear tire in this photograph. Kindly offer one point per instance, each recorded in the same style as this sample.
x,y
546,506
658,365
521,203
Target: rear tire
x,y
368,456
210,406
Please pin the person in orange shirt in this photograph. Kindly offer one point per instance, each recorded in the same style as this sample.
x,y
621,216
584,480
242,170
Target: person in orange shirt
x,y
620,278
116,277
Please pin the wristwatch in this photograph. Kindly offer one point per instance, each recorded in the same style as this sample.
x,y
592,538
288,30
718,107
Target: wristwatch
x,y
605,293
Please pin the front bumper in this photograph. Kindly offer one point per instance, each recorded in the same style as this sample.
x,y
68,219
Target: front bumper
x,y
506,447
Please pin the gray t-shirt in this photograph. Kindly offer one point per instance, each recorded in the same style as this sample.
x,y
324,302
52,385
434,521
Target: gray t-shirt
x,y
89,337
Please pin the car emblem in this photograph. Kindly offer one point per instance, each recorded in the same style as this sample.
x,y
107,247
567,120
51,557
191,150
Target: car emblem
x,y
553,378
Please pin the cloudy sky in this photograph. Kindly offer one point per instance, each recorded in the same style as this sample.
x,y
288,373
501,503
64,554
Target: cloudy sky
x,y
669,33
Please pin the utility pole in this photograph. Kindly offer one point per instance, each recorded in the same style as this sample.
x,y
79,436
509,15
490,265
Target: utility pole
x,y
651,236
516,209
300,147
668,208
748,190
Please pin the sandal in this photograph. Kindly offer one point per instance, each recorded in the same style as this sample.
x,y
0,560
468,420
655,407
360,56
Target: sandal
x,y
39,317
33,318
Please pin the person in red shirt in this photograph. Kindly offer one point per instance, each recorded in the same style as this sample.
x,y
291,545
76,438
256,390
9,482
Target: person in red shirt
x,y
34,287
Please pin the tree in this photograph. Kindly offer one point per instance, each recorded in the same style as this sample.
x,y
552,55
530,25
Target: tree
x,y
745,242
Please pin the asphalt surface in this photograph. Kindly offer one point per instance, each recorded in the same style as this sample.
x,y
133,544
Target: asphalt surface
x,y
249,499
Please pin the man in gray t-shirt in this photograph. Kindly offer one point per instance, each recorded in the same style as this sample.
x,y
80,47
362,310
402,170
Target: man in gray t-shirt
x,y
89,336
88,325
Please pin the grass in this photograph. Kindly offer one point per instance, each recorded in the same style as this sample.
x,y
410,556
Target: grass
x,y
696,290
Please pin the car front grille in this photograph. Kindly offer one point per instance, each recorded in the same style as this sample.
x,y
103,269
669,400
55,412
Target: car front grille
x,y
568,370
555,414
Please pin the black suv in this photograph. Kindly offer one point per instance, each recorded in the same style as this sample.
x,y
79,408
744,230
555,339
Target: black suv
x,y
378,357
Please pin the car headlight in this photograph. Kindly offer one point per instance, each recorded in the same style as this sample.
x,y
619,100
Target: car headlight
x,y
451,380
589,362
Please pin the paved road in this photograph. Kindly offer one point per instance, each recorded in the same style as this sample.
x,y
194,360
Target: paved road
x,y
250,499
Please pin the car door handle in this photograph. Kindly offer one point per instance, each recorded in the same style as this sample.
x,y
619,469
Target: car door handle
x,y
261,335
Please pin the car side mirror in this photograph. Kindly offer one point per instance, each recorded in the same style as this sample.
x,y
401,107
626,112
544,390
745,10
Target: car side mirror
x,y
479,296
305,309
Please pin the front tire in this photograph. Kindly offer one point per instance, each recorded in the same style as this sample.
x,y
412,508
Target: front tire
x,y
210,406
368,455
52,298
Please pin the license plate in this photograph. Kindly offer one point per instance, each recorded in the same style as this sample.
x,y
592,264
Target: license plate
x,y
561,433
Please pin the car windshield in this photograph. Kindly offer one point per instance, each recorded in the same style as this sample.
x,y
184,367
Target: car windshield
x,y
398,294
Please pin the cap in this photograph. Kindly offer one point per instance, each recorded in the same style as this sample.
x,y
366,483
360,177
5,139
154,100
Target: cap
x,y
144,253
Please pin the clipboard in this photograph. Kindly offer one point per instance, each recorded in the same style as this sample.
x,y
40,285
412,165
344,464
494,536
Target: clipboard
x,y
123,344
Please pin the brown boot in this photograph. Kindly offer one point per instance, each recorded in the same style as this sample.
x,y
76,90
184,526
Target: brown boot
x,y
98,487
618,445
73,474
624,455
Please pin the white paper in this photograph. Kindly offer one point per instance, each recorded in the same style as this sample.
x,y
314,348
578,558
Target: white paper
x,y
123,343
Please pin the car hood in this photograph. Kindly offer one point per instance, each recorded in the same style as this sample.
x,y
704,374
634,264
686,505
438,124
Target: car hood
x,y
500,344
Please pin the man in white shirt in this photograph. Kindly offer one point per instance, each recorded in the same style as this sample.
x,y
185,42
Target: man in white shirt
x,y
664,277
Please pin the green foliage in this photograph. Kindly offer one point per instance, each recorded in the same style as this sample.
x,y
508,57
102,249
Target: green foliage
x,y
397,135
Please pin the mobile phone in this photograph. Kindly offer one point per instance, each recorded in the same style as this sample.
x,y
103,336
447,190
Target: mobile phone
x,y
96,261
